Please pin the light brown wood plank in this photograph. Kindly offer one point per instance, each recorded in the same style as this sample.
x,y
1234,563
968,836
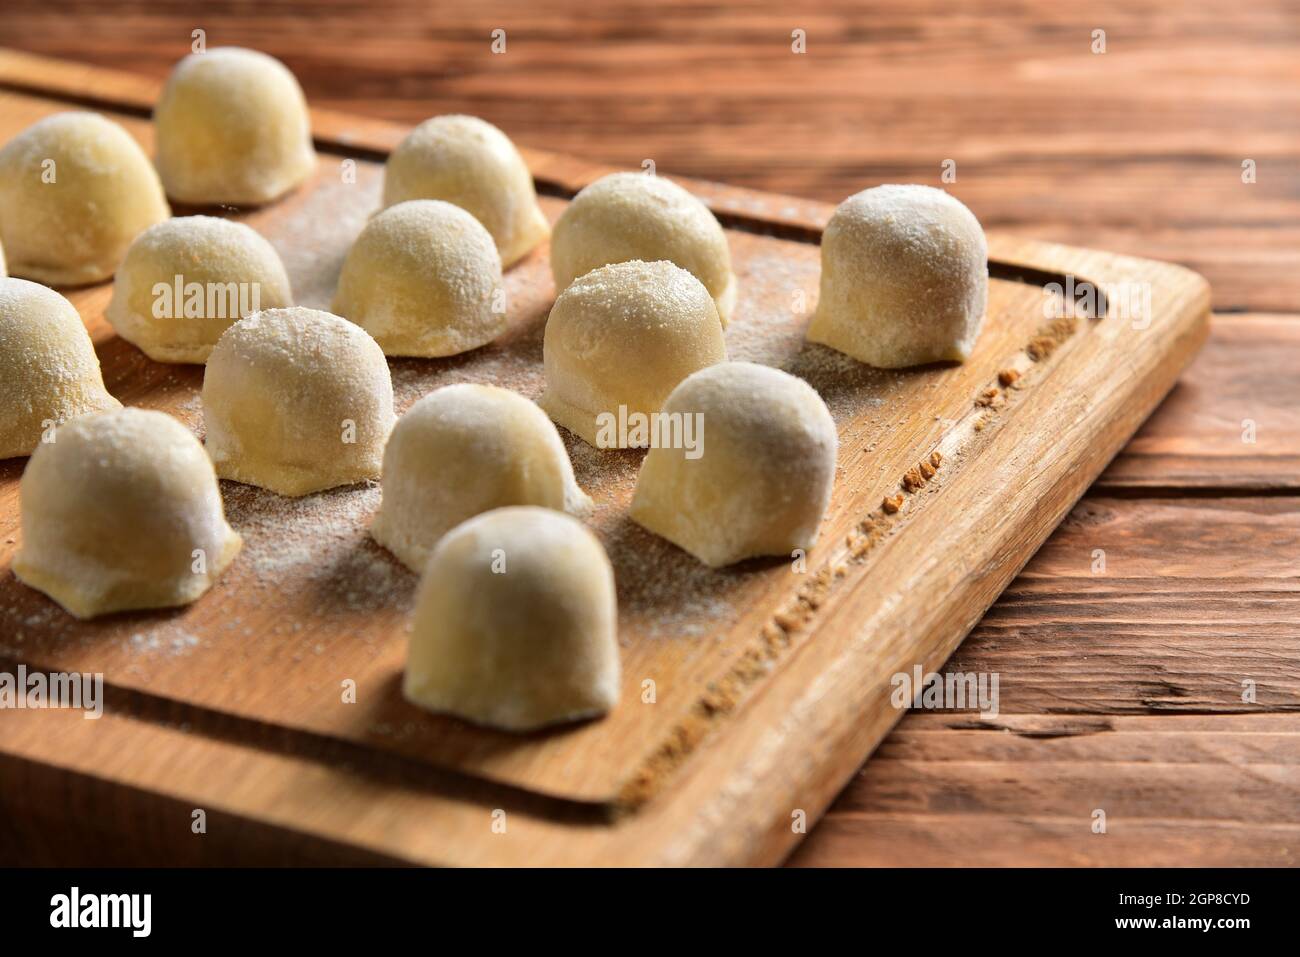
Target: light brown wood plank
x,y
1021,790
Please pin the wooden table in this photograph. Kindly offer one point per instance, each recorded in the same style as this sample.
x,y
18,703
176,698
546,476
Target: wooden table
x,y
1121,689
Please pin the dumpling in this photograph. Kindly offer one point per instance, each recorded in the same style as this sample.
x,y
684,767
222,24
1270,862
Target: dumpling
x,y
515,623
75,190
462,450
48,368
472,164
618,340
904,278
759,481
187,280
424,279
625,216
122,511
297,401
232,128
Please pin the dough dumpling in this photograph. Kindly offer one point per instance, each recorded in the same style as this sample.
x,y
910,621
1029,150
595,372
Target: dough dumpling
x,y
516,623
48,368
623,336
761,479
297,401
232,128
75,190
122,511
462,450
625,216
424,278
469,162
904,278
226,271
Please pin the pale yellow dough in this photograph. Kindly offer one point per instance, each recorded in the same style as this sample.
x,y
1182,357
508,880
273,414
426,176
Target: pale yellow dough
x,y
469,162
515,623
48,368
225,270
626,216
904,278
462,450
764,478
623,336
424,278
75,190
122,511
296,401
232,128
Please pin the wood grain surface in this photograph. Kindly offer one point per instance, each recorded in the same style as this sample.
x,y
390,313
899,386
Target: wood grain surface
x,y
1137,149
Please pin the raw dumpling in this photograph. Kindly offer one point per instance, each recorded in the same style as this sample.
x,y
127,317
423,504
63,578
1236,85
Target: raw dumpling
x,y
232,129
75,190
469,162
618,340
625,216
904,278
297,401
122,511
462,450
48,368
424,278
761,479
516,623
185,281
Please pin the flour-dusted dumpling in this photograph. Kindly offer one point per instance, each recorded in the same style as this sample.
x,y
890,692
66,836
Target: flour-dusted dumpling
x,y
625,216
232,128
122,511
759,480
516,623
618,340
185,281
462,450
469,162
424,278
904,278
48,368
75,190
297,400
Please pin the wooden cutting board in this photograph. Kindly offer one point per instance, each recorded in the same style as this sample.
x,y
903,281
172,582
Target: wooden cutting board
x,y
750,693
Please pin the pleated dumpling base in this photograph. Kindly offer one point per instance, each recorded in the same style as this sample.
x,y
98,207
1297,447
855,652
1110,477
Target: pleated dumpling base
x,y
122,512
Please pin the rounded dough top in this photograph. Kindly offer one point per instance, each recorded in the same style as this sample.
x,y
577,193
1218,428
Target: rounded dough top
x,y
515,623
114,511
423,278
232,127
75,190
624,335
626,216
462,450
48,368
469,162
297,400
904,278
227,271
761,476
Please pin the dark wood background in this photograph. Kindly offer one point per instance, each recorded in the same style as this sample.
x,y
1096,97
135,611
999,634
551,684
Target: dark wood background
x,y
1121,690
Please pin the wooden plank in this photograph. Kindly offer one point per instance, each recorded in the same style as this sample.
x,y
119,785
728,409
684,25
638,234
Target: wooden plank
x,y
1195,791
1139,149
1232,422
709,773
